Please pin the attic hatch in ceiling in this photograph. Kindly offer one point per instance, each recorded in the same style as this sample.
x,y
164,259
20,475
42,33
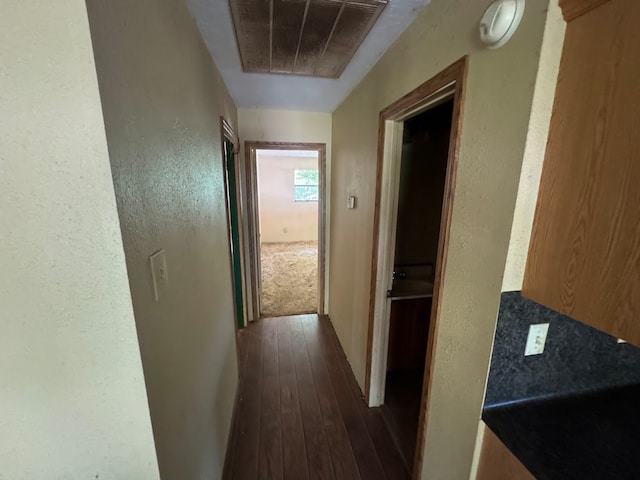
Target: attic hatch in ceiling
x,y
302,37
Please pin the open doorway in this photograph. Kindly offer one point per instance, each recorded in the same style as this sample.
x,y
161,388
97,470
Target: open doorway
x,y
287,228
418,151
423,169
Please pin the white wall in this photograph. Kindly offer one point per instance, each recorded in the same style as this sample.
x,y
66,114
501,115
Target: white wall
x,y
162,99
292,126
72,395
282,219
499,96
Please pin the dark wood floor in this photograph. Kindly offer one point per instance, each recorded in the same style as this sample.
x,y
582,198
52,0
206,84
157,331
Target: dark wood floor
x,y
401,409
300,412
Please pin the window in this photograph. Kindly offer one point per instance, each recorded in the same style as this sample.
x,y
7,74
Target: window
x,y
306,184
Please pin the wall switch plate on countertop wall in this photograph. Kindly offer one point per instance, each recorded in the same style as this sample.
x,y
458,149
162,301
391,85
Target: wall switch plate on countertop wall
x,y
536,339
577,358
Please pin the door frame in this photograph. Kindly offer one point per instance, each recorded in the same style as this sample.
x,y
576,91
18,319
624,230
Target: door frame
x,y
251,180
449,83
229,135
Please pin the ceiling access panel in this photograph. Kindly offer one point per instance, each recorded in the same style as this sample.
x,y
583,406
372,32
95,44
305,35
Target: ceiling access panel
x,y
302,37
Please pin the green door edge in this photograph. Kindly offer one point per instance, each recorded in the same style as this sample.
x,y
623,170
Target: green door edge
x,y
234,219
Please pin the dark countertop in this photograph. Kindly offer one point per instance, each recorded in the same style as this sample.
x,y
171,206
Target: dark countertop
x,y
577,437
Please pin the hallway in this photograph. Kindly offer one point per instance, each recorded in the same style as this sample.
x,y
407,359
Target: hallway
x,y
300,413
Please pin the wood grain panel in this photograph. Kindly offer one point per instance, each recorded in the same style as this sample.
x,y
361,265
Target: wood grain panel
x,y
270,456
363,449
498,463
572,9
318,456
388,453
344,463
294,460
299,411
584,257
247,444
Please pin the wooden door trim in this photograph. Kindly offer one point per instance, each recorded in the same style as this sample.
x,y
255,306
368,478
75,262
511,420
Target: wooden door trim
x,y
422,98
250,148
229,133
572,9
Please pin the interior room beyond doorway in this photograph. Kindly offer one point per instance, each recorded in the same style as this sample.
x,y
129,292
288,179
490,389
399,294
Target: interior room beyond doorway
x,y
288,194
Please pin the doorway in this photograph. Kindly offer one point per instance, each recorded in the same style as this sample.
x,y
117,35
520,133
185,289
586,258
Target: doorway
x,y
285,185
418,150
423,168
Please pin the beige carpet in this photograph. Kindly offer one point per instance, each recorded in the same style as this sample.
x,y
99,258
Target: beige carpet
x,y
289,278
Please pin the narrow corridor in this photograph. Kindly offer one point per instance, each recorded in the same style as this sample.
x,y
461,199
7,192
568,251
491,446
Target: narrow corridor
x,y
300,412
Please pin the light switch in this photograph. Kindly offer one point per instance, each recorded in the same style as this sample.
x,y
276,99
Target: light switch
x,y
351,202
536,339
159,273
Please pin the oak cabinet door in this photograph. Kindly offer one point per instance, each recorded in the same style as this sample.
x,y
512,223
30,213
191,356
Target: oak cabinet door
x,y
584,256
498,463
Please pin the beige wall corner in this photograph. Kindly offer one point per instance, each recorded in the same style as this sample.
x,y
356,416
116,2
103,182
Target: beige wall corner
x,y
72,393
500,88
282,219
162,98
259,125
535,148
535,145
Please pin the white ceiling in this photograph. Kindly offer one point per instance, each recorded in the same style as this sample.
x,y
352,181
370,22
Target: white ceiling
x,y
291,92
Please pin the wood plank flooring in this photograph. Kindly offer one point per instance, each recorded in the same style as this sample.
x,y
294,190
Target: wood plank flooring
x,y
300,414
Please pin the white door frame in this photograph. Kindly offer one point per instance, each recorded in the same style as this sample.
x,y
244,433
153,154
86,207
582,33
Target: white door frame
x,y
389,197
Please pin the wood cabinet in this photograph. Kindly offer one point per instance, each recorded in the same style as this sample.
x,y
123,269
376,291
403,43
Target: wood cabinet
x,y
584,257
498,463
408,334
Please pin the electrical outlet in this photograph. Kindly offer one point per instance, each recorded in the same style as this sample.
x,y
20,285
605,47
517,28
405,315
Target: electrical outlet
x,y
536,339
159,273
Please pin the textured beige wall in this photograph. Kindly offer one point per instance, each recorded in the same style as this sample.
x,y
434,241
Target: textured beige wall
x,y
72,396
285,126
535,147
292,126
496,117
543,95
282,219
162,99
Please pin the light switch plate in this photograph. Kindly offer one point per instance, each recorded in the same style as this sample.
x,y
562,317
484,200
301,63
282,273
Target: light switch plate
x,y
159,273
351,202
536,339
